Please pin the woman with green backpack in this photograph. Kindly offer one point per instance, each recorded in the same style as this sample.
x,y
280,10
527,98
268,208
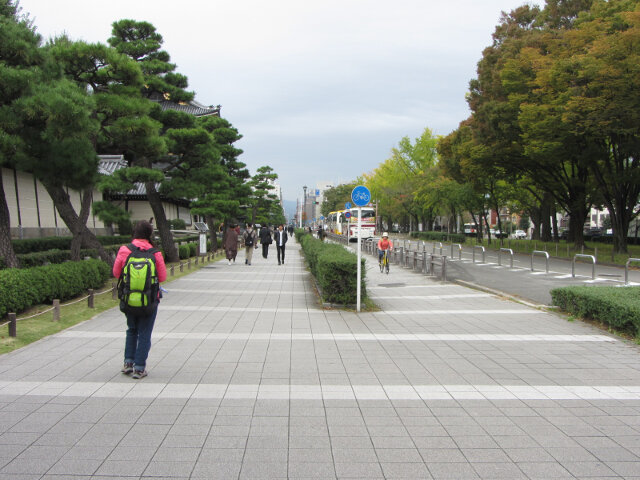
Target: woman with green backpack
x,y
140,268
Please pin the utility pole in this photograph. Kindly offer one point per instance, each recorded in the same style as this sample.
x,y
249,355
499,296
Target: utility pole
x,y
304,203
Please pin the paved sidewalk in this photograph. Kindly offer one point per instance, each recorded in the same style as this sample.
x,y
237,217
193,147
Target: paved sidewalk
x,y
249,378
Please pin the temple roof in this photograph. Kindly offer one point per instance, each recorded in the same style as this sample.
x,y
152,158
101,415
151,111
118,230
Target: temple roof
x,y
108,164
194,108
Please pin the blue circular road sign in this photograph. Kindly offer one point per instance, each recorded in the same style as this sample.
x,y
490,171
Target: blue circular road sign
x,y
361,196
347,215
347,205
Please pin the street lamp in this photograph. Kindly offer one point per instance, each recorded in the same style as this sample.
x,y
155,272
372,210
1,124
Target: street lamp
x,y
304,203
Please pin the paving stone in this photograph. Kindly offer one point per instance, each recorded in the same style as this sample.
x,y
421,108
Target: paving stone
x,y
262,382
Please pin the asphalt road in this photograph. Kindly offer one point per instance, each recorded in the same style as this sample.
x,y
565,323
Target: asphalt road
x,y
520,281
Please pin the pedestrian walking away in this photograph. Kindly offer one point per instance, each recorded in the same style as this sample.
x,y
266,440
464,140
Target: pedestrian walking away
x,y
281,238
140,268
250,238
290,230
230,244
265,240
320,233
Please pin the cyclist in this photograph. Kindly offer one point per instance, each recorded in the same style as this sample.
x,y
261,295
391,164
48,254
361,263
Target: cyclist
x,y
384,244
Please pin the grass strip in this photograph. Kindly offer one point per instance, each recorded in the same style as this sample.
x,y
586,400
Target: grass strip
x,y
36,328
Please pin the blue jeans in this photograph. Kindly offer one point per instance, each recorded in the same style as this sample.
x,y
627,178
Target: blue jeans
x,y
138,342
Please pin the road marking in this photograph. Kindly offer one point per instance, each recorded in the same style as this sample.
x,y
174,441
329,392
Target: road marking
x,y
438,297
238,292
465,311
271,278
409,286
342,337
126,388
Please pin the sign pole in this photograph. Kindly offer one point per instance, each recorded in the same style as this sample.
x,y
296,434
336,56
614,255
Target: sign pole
x,y
361,196
359,275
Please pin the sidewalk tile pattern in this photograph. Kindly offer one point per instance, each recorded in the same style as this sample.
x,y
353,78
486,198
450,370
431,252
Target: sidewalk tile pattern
x,y
250,378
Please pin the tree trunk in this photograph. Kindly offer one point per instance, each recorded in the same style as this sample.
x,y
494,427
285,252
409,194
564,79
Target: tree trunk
x,y
545,233
78,229
620,226
169,248
554,218
576,226
6,248
484,215
211,223
536,219
79,240
478,226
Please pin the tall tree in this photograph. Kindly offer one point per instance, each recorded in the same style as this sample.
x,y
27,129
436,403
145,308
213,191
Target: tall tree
x,y
262,199
225,189
20,59
141,42
112,82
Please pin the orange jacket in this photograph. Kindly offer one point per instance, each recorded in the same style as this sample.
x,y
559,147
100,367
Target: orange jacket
x,y
385,244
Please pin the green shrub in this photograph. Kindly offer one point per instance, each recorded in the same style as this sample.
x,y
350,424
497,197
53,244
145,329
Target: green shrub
x,y
183,251
177,224
24,288
440,236
36,259
30,245
615,306
193,249
335,269
187,239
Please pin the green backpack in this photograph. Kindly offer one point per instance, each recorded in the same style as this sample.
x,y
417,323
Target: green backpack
x,y
138,284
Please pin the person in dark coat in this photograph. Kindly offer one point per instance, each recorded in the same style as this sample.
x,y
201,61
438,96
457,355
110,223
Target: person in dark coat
x,y
281,238
265,240
231,244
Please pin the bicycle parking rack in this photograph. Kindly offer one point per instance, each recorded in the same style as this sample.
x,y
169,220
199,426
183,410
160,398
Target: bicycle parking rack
x,y
432,263
483,252
593,260
540,252
459,250
434,247
507,250
626,269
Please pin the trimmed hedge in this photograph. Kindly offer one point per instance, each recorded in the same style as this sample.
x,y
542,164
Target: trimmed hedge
x,y
615,306
29,245
24,288
440,236
334,267
36,259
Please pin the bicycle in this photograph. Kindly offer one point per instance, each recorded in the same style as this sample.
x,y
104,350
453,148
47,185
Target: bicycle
x,y
384,262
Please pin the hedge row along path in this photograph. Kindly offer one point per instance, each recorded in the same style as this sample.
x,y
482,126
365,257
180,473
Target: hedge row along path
x,y
250,378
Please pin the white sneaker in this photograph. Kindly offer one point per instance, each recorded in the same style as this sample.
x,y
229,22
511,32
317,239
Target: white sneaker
x,y
229,262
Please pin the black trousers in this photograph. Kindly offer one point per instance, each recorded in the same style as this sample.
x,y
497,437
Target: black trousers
x,y
265,250
280,253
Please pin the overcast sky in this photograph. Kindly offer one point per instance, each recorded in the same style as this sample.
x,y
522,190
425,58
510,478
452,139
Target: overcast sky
x,y
320,90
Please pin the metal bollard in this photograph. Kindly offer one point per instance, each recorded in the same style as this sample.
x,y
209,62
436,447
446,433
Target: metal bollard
x,y
90,299
12,325
444,268
56,310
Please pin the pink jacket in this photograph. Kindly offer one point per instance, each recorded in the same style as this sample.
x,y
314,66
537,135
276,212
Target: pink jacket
x,y
124,252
